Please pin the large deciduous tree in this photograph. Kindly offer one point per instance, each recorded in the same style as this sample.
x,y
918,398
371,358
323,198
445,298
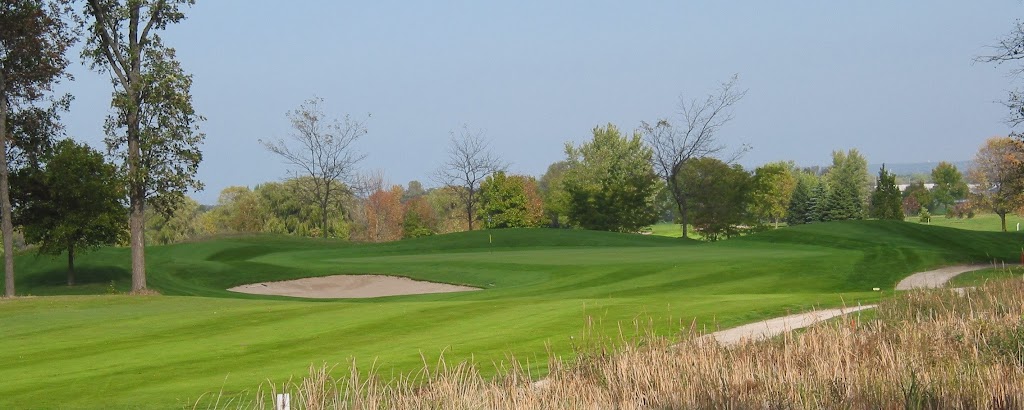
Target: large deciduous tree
x,y
322,152
949,185
695,137
510,201
34,37
154,128
73,205
718,196
771,191
469,162
886,200
610,183
385,215
553,193
998,172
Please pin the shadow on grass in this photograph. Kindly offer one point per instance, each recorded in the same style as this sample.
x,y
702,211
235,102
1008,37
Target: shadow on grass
x,y
89,280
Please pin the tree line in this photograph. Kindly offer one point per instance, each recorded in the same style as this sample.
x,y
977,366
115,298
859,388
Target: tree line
x,y
65,197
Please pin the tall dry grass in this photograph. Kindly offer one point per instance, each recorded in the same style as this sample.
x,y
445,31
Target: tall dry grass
x,y
924,349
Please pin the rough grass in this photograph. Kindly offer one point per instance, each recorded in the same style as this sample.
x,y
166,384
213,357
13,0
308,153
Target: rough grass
x,y
541,287
924,349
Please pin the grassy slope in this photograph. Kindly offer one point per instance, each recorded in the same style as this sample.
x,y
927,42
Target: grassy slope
x,y
541,287
981,222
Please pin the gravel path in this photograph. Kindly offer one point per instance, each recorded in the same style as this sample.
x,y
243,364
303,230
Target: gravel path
x,y
936,278
773,327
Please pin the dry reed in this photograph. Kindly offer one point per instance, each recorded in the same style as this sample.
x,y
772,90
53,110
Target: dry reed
x,y
925,349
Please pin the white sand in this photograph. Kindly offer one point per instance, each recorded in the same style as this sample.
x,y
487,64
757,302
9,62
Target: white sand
x,y
349,286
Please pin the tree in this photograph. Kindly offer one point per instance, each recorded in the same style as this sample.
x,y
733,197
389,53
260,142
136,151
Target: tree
x,y
182,223
997,170
818,206
886,201
920,193
446,204
553,193
419,219
385,215
949,185
324,153
34,38
414,190
696,137
470,161
718,196
238,210
771,191
849,186
73,205
610,183
1010,49
154,129
510,201
910,206
800,206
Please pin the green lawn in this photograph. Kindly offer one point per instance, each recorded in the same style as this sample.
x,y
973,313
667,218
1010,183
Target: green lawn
x,y
541,287
981,222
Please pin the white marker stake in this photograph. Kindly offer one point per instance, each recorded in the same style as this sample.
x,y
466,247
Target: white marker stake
x,y
283,402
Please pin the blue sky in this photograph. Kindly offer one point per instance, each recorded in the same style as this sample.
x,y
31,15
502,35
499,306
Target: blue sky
x,y
895,80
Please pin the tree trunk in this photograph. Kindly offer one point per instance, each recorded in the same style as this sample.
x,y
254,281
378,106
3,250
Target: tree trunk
x,y
137,224
678,196
71,264
136,188
323,219
1002,219
5,196
469,209
682,218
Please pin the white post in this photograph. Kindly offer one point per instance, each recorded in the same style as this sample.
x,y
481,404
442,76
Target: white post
x,y
283,402
1018,226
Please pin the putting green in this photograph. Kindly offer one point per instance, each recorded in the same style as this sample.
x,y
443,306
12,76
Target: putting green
x,y
541,288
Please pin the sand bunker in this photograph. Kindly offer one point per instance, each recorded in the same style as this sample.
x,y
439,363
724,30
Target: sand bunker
x,y
349,286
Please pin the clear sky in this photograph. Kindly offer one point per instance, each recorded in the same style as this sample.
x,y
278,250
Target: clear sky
x,y
894,79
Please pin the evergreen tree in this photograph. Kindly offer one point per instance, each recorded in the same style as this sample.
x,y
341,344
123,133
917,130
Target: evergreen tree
x,y
849,186
799,208
817,204
885,201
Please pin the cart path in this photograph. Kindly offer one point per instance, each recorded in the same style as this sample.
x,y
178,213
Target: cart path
x,y
937,278
767,329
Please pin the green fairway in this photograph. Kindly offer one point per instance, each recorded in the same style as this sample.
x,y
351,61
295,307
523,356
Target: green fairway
x,y
981,222
540,288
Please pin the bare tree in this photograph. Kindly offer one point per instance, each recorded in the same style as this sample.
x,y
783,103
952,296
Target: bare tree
x,y
694,137
470,161
322,151
1010,49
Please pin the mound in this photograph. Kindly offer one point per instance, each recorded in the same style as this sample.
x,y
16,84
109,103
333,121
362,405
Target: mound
x,y
349,286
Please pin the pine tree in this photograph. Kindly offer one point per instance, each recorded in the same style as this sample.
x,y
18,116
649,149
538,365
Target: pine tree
x,y
818,205
885,201
799,203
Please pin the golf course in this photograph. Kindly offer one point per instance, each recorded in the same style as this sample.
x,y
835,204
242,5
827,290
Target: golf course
x,y
92,346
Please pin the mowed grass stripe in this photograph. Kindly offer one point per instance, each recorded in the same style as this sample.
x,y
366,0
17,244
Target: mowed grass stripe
x,y
540,287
